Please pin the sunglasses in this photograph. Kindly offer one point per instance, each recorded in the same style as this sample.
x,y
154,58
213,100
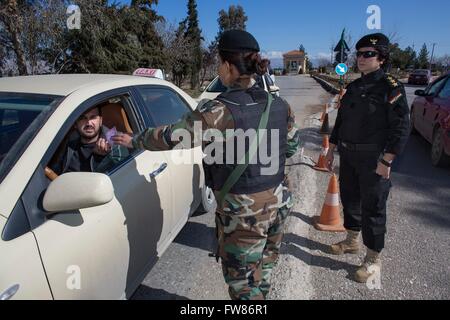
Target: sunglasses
x,y
367,54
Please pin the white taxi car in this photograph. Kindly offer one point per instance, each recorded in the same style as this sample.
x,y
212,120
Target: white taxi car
x,y
216,87
89,235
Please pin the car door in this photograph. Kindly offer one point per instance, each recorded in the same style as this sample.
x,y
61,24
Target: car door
x,y
443,103
166,106
104,252
22,275
430,109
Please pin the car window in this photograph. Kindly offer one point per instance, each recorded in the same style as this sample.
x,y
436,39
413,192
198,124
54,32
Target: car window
x,y
434,88
163,105
445,92
77,152
21,116
216,86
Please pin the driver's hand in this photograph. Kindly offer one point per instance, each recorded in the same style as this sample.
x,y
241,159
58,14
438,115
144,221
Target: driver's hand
x,y
102,147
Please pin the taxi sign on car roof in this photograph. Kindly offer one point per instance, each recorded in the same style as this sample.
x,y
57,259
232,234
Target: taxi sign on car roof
x,y
146,72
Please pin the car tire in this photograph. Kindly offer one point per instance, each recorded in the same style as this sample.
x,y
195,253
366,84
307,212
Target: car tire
x,y
438,156
413,130
208,203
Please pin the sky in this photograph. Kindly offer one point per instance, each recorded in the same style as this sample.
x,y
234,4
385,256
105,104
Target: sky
x,y
281,26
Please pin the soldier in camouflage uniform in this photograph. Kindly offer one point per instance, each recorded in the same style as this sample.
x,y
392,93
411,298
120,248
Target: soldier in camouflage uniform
x,y
249,224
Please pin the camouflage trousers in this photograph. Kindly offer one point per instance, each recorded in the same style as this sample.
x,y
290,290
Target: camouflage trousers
x,y
249,232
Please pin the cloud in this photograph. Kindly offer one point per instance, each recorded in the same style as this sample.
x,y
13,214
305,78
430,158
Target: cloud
x,y
320,55
272,54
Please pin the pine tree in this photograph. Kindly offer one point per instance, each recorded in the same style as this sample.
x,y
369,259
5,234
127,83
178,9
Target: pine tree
x,y
193,34
411,57
423,57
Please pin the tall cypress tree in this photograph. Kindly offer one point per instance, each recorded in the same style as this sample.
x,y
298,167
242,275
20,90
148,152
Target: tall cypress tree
x,y
193,34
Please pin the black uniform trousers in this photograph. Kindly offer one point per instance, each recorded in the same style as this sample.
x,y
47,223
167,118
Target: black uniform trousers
x,y
364,195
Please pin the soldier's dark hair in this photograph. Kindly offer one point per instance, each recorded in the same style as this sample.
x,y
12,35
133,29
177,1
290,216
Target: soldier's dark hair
x,y
247,63
384,55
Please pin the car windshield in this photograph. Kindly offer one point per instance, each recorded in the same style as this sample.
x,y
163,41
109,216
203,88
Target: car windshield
x,y
21,115
217,86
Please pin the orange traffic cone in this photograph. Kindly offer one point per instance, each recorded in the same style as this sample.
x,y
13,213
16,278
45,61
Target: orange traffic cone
x,y
321,164
330,218
325,111
325,129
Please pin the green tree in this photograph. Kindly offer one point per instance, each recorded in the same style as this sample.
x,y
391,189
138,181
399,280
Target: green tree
x,y
181,65
233,19
114,39
141,21
87,47
411,57
12,25
193,34
423,57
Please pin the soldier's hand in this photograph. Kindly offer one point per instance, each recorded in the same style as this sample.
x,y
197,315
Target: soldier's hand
x,y
329,160
102,147
123,139
383,170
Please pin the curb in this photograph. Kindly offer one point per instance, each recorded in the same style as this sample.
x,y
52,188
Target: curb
x,y
326,85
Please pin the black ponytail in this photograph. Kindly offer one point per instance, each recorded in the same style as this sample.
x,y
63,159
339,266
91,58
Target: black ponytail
x,y
246,63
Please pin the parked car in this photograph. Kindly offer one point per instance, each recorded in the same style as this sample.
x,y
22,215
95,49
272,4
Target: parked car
x,y
430,116
420,76
216,87
89,235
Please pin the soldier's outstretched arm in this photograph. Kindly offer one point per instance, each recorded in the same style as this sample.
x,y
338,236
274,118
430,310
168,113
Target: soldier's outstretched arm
x,y
163,137
212,115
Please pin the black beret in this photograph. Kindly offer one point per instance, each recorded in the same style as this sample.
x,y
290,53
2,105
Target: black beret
x,y
375,40
238,41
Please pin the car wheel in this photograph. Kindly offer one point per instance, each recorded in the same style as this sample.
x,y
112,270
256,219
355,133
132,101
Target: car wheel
x,y
438,156
208,203
413,129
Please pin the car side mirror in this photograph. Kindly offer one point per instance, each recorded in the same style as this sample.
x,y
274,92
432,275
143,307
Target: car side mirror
x,y
78,190
420,93
202,88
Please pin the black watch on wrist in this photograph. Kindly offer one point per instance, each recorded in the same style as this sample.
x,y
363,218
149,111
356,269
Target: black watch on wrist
x,y
387,164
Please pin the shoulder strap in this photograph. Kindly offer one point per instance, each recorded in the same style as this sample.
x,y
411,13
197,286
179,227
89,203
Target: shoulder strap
x,y
240,168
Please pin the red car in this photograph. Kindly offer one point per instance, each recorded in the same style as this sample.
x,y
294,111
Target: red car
x,y
430,116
